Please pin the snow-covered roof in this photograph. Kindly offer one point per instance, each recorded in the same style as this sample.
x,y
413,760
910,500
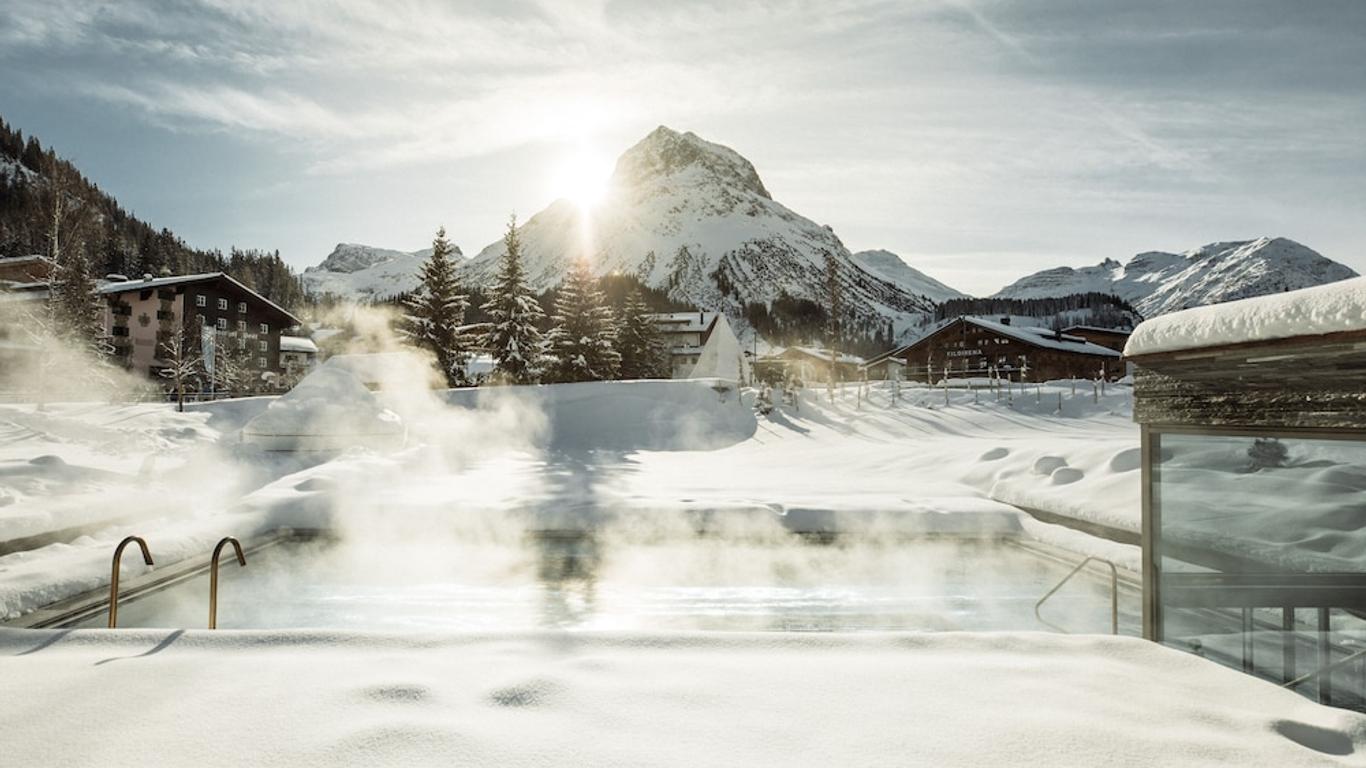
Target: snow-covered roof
x,y
1333,308
821,354
1043,337
1097,329
297,344
685,322
159,282
33,258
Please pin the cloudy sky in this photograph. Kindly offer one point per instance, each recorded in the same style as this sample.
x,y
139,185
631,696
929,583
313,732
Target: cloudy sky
x,y
980,139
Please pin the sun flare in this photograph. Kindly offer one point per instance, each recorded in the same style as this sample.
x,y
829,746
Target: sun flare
x,y
583,178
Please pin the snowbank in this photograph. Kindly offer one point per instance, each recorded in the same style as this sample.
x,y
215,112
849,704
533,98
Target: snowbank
x,y
329,410
693,414
94,697
1331,308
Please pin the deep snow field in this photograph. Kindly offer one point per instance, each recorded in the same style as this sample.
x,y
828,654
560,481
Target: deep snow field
x,y
638,462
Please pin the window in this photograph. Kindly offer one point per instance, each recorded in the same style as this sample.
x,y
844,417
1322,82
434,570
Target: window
x,y
201,300
222,324
1257,562
242,342
265,328
241,326
263,345
260,362
223,304
241,307
199,320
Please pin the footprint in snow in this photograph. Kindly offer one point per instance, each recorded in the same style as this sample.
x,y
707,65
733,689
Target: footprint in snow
x,y
995,454
1047,465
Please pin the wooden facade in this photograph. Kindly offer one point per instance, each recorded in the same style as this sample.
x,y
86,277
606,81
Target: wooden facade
x,y
1300,383
971,346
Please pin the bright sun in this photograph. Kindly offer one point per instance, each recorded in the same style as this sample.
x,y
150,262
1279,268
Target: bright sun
x,y
582,178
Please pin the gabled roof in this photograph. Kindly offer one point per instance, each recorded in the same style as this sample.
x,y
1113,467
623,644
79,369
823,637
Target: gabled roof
x,y
161,282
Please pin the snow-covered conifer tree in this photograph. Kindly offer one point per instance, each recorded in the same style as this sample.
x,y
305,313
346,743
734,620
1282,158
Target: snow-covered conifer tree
x,y
513,338
436,313
639,340
582,343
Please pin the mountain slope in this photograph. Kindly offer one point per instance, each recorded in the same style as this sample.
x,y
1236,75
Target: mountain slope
x,y
1156,282
694,218
365,273
889,266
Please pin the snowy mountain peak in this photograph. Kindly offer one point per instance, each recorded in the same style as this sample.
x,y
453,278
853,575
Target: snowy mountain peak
x,y
1156,282
890,266
356,271
667,157
693,217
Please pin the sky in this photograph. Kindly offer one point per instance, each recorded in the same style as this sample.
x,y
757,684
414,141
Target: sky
x,y
979,139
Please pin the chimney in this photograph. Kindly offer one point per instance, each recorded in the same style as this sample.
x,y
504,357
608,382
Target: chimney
x,y
1005,321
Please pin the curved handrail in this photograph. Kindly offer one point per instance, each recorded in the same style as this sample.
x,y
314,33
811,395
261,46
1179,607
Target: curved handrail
x,y
213,575
1306,677
114,578
1114,595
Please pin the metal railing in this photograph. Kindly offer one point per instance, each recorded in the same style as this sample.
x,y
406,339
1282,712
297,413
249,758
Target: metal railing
x,y
1114,595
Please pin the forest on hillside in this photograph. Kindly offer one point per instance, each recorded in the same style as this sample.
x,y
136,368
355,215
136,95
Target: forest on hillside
x,y
34,180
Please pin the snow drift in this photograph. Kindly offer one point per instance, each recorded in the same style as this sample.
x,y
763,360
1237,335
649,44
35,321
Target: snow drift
x,y
329,410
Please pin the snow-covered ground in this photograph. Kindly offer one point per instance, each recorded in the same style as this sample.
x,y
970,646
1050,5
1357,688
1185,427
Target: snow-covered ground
x,y
141,697
635,460
639,457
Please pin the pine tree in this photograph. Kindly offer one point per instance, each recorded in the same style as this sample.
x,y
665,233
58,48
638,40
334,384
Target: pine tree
x,y
639,340
436,313
582,343
513,311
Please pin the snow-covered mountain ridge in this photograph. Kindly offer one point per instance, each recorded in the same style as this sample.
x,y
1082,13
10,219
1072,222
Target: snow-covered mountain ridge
x,y
682,214
1157,282
362,272
890,266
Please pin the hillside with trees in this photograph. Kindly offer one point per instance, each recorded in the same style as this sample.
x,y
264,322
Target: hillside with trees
x,y
113,241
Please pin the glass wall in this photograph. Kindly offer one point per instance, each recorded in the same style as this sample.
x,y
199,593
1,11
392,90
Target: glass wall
x,y
1259,554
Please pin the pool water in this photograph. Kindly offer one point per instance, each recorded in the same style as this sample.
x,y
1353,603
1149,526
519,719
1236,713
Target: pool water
x,y
928,585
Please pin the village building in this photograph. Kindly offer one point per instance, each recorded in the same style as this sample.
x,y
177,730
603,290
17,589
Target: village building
x,y
1114,338
973,346
809,364
24,270
685,334
213,310
298,356
1252,419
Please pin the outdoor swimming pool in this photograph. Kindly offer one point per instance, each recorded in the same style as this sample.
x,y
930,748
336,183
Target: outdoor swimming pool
x,y
578,583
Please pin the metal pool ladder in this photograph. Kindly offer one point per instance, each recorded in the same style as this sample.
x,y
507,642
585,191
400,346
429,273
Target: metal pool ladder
x,y
114,579
1114,595
213,575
